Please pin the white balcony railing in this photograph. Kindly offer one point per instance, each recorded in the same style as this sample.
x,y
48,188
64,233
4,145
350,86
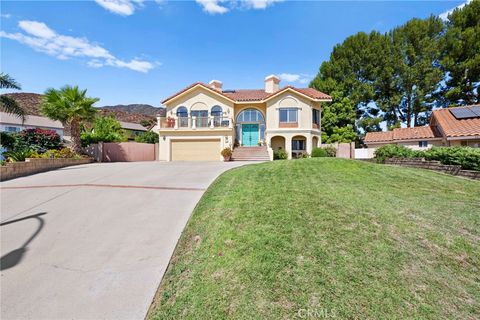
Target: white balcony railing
x,y
210,122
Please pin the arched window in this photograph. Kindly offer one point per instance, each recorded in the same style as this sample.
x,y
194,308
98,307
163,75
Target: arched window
x,y
216,111
182,114
250,115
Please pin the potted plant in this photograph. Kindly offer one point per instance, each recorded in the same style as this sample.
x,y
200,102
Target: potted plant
x,y
226,154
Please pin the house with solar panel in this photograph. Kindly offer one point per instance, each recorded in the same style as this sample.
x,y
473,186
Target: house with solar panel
x,y
459,126
202,119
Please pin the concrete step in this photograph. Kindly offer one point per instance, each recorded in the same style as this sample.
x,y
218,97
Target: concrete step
x,y
250,154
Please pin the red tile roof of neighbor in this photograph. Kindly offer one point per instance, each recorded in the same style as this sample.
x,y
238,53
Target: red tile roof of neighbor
x,y
453,127
442,119
254,94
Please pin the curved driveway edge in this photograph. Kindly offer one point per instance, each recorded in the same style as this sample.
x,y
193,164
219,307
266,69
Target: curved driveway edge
x,y
93,241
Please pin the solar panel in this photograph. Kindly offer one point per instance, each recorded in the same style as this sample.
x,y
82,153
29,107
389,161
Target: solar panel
x,y
476,110
463,113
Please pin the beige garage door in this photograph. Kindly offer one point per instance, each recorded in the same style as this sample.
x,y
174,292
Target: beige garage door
x,y
195,150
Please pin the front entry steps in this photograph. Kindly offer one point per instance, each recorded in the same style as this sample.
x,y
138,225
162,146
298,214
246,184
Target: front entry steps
x,y
250,154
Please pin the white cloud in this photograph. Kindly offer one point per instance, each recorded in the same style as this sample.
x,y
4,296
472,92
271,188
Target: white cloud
x,y
292,77
444,16
41,38
223,6
121,7
212,6
5,15
259,4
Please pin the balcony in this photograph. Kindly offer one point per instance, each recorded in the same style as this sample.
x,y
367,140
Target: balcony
x,y
196,123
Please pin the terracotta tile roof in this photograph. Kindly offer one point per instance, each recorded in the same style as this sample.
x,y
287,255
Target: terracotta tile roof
x,y
415,133
453,127
247,95
254,94
378,136
399,134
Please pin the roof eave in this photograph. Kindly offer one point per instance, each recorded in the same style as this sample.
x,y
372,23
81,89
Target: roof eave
x,y
191,88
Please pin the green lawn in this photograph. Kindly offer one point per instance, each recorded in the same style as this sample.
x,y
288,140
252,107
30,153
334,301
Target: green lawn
x,y
332,237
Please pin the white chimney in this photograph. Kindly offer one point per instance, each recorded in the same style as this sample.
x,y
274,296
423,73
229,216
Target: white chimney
x,y
216,85
271,83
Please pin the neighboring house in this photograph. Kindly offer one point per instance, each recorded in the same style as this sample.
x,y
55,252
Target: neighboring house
x,y
459,126
203,119
132,129
11,123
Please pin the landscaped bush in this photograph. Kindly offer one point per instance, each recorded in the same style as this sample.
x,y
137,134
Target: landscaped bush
x,y
394,151
18,155
468,158
147,137
104,129
318,153
7,140
324,152
280,155
38,140
65,153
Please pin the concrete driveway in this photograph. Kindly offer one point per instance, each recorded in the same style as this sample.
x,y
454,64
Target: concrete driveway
x,y
93,241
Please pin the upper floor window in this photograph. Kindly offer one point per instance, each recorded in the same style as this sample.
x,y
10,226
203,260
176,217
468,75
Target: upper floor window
x,y
288,115
423,144
316,116
216,111
250,115
182,112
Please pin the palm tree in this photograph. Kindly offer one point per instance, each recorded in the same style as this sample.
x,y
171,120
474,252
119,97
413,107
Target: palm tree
x,y
70,106
7,104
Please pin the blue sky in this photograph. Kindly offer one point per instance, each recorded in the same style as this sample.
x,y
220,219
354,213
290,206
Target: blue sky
x,y
136,51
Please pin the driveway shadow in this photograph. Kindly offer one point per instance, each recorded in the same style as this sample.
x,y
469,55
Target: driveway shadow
x,y
14,257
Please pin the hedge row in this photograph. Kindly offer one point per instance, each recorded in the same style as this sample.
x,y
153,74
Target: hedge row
x,y
468,158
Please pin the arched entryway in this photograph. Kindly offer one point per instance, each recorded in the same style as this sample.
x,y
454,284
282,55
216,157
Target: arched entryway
x,y
277,143
299,146
250,128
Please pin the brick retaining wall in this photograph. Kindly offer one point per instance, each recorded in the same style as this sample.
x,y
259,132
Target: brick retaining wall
x,y
434,165
32,165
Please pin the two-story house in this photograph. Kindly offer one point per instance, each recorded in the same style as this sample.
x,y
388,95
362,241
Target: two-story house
x,y
203,119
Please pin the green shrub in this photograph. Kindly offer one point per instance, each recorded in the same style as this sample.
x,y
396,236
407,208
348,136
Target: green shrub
x,y
280,155
104,129
18,155
394,151
38,140
331,151
7,140
468,158
65,153
147,137
319,153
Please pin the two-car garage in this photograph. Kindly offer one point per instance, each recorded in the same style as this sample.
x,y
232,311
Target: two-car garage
x,y
195,149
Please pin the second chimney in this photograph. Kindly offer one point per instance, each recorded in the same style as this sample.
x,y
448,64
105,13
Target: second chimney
x,y
271,83
216,85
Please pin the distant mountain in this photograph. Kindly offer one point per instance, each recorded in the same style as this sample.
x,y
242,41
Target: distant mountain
x,y
137,113
30,102
144,109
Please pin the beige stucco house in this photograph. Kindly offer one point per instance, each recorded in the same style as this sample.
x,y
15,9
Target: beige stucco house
x,y
202,119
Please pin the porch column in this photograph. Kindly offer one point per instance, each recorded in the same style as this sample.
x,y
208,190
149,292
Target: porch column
x,y
175,126
194,122
309,145
212,125
288,147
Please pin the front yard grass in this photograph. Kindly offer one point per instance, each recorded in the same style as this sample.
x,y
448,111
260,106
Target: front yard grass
x,y
332,237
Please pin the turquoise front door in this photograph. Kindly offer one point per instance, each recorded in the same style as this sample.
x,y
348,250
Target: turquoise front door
x,y
249,135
